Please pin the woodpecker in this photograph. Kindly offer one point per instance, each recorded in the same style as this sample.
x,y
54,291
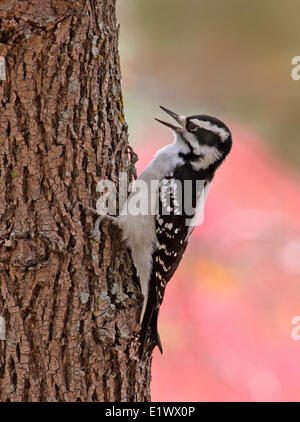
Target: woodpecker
x,y
158,240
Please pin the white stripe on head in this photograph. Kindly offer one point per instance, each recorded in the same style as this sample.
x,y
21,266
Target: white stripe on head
x,y
220,131
209,156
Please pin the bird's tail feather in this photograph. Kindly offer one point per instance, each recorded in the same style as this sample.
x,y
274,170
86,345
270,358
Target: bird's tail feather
x,y
149,337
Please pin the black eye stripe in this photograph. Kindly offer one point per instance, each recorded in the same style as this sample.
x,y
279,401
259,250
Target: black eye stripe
x,y
193,127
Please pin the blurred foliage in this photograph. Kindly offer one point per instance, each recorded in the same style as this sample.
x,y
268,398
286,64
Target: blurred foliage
x,y
232,58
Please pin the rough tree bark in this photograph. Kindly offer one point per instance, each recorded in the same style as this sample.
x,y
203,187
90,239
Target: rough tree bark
x,y
70,303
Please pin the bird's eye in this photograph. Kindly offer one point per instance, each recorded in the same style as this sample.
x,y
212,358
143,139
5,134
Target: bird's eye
x,y
193,127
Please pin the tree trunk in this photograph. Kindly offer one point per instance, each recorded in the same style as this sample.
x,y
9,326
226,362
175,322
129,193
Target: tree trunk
x,y
69,302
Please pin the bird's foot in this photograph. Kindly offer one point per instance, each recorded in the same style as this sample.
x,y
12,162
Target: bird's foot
x,y
96,234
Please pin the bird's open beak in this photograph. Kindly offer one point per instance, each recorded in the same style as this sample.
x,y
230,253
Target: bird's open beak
x,y
180,119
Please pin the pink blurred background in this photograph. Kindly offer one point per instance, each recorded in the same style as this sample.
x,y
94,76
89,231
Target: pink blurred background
x,y
226,321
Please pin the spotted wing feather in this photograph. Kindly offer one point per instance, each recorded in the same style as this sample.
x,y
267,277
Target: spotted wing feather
x,y
172,238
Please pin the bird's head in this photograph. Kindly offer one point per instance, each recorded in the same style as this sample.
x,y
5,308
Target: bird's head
x,y
201,136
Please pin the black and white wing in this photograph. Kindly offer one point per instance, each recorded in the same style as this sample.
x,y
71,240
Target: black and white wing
x,y
178,201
